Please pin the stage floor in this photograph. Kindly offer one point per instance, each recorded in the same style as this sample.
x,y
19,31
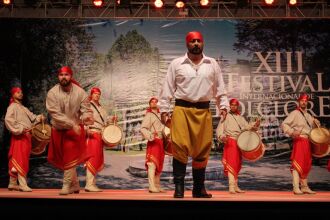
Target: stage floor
x,y
138,195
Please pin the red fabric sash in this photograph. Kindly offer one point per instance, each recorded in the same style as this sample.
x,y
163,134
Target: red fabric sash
x,y
301,156
94,148
19,154
155,154
232,158
67,149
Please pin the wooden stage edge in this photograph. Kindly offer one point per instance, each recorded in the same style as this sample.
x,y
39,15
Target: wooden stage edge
x,y
137,203
143,195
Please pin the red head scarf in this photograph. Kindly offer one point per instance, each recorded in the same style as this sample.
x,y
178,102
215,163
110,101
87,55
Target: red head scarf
x,y
303,96
194,35
235,101
94,90
12,92
66,69
149,108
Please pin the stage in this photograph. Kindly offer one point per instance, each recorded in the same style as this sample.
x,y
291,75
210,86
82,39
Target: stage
x,y
142,203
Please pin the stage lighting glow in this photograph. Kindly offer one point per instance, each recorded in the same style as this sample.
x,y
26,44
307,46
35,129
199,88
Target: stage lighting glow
x,y
7,2
98,3
180,3
204,2
269,2
158,3
292,2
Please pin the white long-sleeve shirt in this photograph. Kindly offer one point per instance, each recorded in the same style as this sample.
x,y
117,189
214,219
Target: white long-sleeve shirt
x,y
99,124
194,83
67,108
151,123
231,127
19,118
296,121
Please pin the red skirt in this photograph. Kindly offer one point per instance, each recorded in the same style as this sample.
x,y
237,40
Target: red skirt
x,y
155,154
94,148
19,154
301,157
67,149
232,158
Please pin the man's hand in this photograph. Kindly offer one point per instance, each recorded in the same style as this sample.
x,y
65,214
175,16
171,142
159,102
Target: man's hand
x,y
89,120
26,130
76,129
42,118
256,125
114,119
89,132
155,134
224,139
317,122
164,116
295,134
223,113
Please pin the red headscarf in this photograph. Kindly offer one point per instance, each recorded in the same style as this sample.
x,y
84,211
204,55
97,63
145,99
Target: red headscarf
x,y
12,92
235,101
66,69
149,108
194,35
94,90
303,96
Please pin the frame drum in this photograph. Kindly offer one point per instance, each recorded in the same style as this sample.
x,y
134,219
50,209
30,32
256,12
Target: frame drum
x,y
320,142
249,142
40,138
112,135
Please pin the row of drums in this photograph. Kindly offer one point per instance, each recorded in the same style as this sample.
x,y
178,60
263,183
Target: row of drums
x,y
249,142
111,136
252,148
41,132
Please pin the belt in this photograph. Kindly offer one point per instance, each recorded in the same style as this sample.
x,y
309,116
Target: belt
x,y
199,105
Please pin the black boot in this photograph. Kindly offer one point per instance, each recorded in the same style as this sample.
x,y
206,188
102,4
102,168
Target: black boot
x,y
199,188
179,172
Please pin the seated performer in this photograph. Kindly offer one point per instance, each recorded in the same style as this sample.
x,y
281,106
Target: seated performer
x,y
298,125
151,129
19,121
228,132
94,142
69,107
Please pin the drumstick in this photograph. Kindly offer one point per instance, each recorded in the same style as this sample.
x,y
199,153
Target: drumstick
x,y
114,121
87,135
43,128
154,127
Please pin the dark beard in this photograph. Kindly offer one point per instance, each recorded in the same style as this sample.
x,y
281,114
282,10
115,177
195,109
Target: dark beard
x,y
19,99
65,83
195,50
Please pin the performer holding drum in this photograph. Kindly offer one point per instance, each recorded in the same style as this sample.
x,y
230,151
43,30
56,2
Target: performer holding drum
x,y
69,106
19,121
228,132
152,130
94,143
298,124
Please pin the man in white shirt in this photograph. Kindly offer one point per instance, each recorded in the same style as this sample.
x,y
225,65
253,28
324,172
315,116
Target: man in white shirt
x,y
19,121
69,107
192,80
298,125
